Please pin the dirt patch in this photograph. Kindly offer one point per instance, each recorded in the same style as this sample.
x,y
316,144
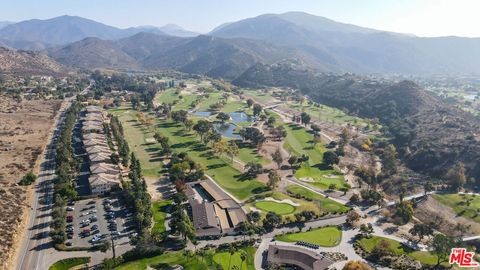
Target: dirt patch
x,y
443,218
24,129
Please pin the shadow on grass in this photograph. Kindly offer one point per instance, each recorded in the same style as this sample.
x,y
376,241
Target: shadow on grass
x,y
322,166
216,166
183,145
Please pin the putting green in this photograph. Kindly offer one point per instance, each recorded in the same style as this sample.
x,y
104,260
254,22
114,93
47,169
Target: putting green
x,y
276,207
325,237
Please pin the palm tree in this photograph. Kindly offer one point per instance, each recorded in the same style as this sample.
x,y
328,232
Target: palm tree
x,y
243,257
231,251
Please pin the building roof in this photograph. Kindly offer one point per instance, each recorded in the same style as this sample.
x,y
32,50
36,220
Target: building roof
x,y
90,136
102,178
236,216
204,215
93,142
103,167
222,217
92,108
98,149
99,157
298,256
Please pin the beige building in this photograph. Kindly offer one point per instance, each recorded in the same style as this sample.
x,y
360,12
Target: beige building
x,y
297,256
214,213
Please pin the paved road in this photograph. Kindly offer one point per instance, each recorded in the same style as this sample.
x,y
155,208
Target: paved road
x,y
37,242
37,239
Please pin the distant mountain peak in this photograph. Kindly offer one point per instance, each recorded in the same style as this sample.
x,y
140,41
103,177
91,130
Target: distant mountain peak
x,y
176,30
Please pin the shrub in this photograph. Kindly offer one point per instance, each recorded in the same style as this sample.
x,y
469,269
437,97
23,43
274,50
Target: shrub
x,y
28,179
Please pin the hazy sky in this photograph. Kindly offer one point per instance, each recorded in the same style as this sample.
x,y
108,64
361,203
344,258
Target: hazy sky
x,y
420,17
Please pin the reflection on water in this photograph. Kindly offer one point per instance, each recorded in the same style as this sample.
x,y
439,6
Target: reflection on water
x,y
240,117
202,114
227,129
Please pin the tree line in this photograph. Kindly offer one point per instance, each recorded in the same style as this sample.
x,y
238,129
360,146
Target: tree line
x,y
66,169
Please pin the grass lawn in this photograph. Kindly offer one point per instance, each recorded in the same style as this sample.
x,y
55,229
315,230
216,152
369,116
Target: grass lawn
x,y
159,214
260,96
458,202
213,98
299,141
209,261
278,208
327,205
325,237
223,259
327,114
398,249
234,105
395,247
69,263
168,96
224,173
323,177
185,102
136,135
170,258
247,154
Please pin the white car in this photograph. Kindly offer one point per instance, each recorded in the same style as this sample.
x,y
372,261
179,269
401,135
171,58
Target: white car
x,y
69,208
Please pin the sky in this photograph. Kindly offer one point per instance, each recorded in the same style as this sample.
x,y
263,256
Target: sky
x,y
420,17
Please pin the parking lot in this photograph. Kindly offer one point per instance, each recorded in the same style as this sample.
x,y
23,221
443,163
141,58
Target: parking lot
x,y
99,219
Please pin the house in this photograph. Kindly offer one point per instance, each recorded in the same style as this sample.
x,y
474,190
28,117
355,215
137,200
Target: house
x,y
95,142
297,256
99,157
98,149
92,136
102,183
104,168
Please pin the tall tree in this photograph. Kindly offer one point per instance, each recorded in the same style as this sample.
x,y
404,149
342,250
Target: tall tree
x,y
277,157
421,230
441,245
257,109
456,176
389,160
203,127
330,158
273,179
305,118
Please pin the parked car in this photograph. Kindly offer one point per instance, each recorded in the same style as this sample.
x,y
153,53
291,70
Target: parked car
x,y
69,218
70,208
94,227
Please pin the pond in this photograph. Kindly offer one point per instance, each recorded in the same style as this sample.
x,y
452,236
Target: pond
x,y
227,129
202,114
238,117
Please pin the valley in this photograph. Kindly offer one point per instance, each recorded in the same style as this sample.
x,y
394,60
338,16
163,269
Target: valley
x,y
278,141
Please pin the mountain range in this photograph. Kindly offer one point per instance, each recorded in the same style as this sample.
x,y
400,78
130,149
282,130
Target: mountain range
x,y
230,49
59,31
29,63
